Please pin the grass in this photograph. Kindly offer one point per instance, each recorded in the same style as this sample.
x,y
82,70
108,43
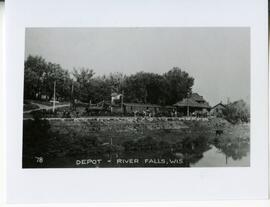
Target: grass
x,y
29,106
48,103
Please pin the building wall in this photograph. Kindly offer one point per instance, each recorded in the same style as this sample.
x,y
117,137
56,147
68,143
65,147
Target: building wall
x,y
183,110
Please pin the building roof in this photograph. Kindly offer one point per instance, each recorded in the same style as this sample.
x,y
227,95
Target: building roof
x,y
197,97
219,104
194,101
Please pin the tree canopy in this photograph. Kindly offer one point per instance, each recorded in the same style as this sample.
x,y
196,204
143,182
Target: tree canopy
x,y
39,78
236,112
83,85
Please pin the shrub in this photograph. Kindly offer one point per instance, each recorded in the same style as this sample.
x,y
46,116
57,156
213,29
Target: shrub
x,y
236,112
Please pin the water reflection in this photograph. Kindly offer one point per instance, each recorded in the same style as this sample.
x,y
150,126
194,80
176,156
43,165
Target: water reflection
x,y
197,151
235,148
226,151
214,158
190,152
151,149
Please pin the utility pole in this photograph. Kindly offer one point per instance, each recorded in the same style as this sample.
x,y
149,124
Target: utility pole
x,y
72,96
187,104
122,102
54,86
228,101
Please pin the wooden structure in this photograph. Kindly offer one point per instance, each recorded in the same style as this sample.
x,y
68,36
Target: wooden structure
x,y
193,105
142,109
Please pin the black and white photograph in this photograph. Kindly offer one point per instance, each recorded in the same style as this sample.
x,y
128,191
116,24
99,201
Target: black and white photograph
x,y
136,97
120,102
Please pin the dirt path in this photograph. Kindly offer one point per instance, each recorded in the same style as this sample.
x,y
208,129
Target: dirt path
x,y
41,106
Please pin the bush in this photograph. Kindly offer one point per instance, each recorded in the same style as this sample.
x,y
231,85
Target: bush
x,y
236,112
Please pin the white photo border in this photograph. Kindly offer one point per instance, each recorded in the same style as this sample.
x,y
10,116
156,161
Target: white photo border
x,y
133,184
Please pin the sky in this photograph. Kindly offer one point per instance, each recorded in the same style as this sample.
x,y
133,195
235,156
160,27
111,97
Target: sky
x,y
218,58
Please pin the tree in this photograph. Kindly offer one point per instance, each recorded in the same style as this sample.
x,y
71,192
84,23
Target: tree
x,y
166,89
178,85
144,88
82,84
236,112
39,78
62,78
101,90
34,68
87,87
115,81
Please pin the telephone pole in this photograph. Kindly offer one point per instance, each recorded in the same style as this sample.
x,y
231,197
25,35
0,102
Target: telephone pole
x,y
122,102
188,104
72,96
54,87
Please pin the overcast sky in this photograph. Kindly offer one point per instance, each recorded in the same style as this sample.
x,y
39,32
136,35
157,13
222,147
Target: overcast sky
x,y
218,58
